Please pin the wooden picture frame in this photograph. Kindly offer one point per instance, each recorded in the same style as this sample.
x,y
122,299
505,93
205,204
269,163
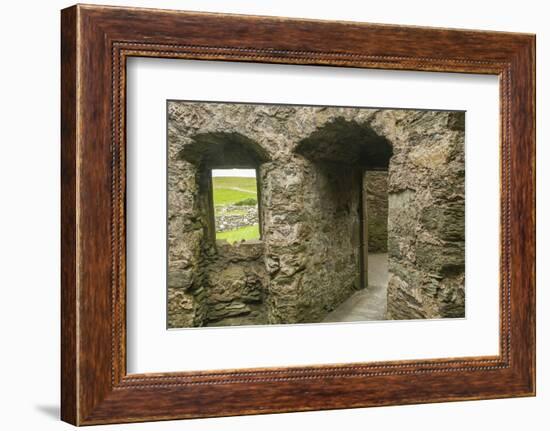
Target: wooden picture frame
x,y
95,43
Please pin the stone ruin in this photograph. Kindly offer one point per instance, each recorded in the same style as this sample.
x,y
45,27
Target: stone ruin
x,y
334,184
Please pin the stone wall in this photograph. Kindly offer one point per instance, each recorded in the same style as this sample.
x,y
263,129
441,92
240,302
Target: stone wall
x,y
426,219
236,284
232,217
310,160
375,184
186,221
332,272
285,232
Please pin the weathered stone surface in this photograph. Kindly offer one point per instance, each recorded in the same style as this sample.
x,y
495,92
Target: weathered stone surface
x,y
236,282
426,217
446,220
331,268
375,189
186,309
310,162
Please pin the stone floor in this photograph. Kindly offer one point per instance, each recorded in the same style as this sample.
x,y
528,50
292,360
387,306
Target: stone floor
x,y
369,303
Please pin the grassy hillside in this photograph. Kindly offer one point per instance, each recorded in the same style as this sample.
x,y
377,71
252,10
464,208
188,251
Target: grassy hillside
x,y
240,182
246,233
229,190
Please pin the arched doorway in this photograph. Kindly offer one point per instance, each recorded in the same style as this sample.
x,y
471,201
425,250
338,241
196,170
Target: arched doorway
x,y
349,162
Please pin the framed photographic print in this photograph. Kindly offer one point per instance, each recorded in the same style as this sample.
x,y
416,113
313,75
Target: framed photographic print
x,y
264,215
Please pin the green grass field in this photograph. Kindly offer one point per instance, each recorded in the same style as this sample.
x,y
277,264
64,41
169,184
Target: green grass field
x,y
228,190
243,233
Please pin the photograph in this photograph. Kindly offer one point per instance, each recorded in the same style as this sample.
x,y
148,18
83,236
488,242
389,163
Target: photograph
x,y
296,214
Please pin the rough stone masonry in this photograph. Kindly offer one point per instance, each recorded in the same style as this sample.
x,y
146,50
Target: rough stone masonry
x,y
316,165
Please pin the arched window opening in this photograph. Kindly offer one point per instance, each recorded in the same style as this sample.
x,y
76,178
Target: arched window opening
x,y
235,202
228,173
